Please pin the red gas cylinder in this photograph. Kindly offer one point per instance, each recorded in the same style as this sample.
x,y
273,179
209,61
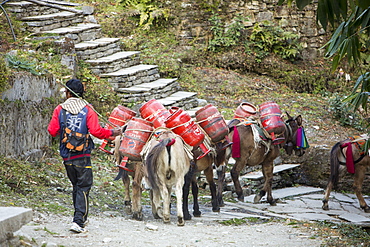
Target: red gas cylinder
x,y
183,125
136,135
245,110
119,117
154,112
211,120
272,121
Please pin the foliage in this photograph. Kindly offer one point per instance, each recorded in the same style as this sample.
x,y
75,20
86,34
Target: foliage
x,y
360,99
149,12
4,75
225,38
45,187
263,39
267,38
244,221
351,21
99,92
346,234
344,113
23,63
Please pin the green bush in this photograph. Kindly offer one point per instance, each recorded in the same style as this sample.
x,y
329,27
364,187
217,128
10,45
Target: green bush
x,y
267,38
344,114
261,41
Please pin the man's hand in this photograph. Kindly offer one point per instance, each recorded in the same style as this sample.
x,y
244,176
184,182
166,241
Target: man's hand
x,y
117,132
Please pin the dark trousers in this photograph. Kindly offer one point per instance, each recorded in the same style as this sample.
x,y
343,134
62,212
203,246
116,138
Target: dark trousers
x,y
80,174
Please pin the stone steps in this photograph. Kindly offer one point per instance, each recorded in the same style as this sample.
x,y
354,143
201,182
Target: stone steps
x,y
182,99
52,21
157,89
24,9
94,49
79,33
133,75
134,82
115,62
11,220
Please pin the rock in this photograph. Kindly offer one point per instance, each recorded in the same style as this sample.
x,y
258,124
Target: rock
x,y
151,227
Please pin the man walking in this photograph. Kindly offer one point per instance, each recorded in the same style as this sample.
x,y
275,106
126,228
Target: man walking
x,y
74,120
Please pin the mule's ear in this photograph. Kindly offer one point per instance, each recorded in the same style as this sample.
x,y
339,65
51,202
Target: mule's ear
x,y
287,114
299,120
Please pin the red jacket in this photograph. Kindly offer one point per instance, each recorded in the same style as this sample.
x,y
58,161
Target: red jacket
x,y
93,126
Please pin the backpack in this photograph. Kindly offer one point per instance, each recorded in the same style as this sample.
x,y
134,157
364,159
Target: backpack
x,y
74,141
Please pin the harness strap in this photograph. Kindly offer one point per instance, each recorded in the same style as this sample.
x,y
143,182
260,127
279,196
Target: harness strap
x,y
344,155
349,157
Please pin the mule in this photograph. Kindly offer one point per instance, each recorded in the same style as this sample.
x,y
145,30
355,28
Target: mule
x,y
133,169
165,165
261,153
204,164
338,156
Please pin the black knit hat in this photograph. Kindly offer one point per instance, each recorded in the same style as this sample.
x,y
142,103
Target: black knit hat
x,y
76,87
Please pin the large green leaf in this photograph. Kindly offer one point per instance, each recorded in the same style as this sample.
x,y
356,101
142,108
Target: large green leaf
x,y
321,15
364,4
302,3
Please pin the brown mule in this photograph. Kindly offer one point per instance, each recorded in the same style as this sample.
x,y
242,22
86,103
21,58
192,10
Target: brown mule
x,y
338,157
252,154
134,169
204,164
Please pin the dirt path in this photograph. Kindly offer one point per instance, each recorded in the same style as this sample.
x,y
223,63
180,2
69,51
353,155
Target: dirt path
x,y
112,229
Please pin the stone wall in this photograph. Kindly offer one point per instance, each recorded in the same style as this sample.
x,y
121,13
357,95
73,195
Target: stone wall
x,y
195,26
25,114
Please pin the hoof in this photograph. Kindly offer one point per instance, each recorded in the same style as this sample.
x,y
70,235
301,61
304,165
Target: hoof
x,y
366,209
156,216
325,207
197,214
273,202
180,221
137,216
187,217
166,221
221,203
216,210
127,209
257,198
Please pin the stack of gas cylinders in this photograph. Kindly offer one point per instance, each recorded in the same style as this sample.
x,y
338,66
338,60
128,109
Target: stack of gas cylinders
x,y
208,121
269,115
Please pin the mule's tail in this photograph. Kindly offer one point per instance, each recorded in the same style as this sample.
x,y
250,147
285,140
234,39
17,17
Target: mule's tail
x,y
152,164
334,164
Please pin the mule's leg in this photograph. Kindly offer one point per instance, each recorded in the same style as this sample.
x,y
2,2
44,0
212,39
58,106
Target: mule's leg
x,y
126,184
212,186
195,190
221,170
235,172
267,170
185,194
178,192
325,201
166,196
357,186
155,198
137,213
221,159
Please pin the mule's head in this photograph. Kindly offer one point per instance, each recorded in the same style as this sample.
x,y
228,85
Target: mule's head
x,y
293,124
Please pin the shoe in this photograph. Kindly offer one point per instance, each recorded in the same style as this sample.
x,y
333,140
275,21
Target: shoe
x,y
85,223
77,229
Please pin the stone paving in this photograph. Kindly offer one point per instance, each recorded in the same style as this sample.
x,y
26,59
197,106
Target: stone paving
x,y
301,203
